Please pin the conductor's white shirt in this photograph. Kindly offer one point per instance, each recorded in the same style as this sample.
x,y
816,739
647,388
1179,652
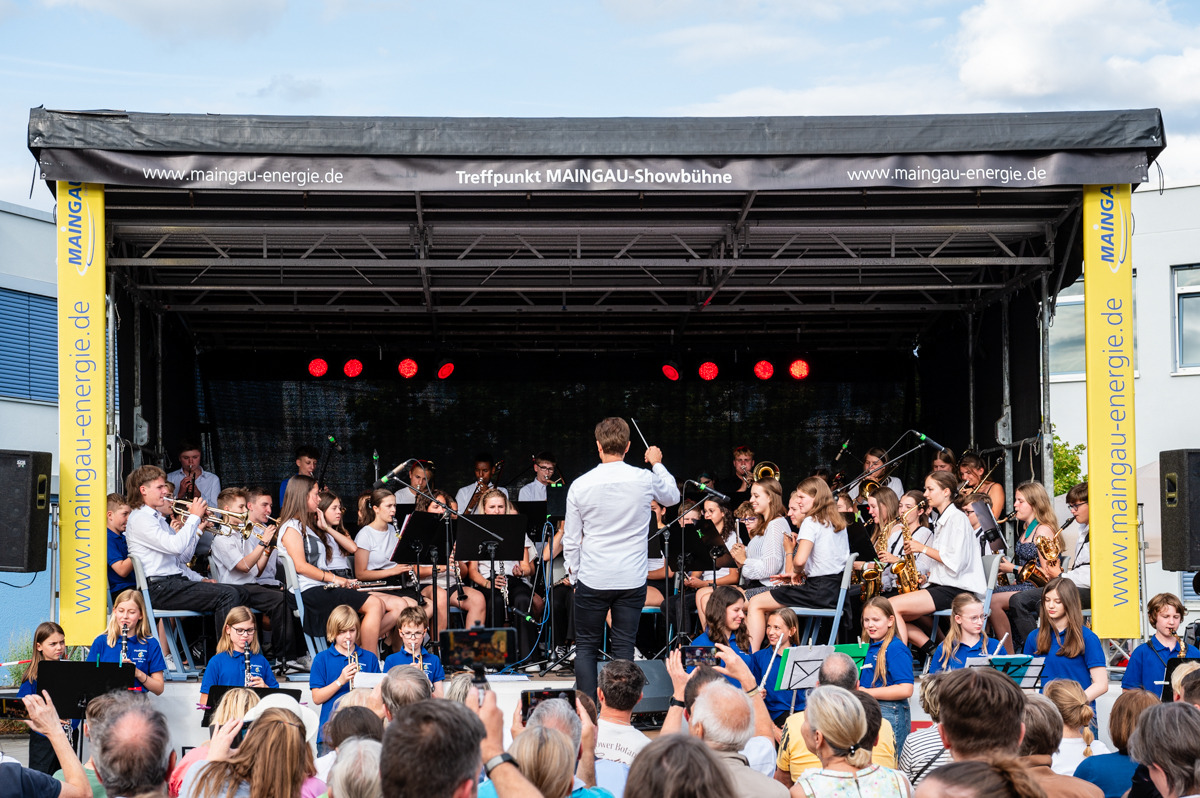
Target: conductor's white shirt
x,y
162,550
607,523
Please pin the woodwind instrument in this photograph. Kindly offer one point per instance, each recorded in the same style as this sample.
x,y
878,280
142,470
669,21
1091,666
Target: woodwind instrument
x,y
872,573
354,584
248,676
908,578
124,642
462,593
481,487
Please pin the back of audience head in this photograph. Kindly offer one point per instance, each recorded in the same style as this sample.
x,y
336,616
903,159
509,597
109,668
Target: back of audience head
x,y
133,753
99,710
557,714
589,706
546,757
362,697
838,670
619,685
442,735
1043,727
874,715
1189,688
402,686
1123,717
702,676
1074,707
723,717
930,686
275,758
980,714
839,717
1167,742
459,685
355,774
234,706
999,778
348,722
1184,670
678,766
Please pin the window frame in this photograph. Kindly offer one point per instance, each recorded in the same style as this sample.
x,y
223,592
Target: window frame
x,y
1177,294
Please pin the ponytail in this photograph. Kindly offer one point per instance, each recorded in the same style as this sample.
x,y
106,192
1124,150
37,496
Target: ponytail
x,y
1073,705
999,778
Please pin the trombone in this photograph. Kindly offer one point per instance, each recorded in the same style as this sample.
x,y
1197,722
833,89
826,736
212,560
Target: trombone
x,y
766,470
224,522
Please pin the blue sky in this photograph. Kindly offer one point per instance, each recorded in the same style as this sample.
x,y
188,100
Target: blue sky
x,y
603,58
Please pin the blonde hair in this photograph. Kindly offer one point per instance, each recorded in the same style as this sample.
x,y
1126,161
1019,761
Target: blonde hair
x,y
547,758
884,606
775,507
840,717
274,760
954,636
342,619
494,493
1182,670
143,631
889,514
237,615
360,697
824,508
1043,508
234,705
1074,707
790,622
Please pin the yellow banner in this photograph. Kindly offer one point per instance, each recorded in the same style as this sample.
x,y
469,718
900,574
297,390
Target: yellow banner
x,y
1112,470
82,412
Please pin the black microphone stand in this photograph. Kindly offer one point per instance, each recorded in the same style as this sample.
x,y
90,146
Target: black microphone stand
x,y
665,532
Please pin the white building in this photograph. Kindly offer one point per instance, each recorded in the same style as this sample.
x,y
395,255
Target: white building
x,y
1166,257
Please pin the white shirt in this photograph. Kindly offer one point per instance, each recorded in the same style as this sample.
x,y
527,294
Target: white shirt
x,y
406,496
830,548
228,550
618,742
1081,563
504,566
380,545
1070,755
303,581
208,484
892,482
463,497
954,541
764,555
922,535
707,576
608,521
162,550
533,492
760,755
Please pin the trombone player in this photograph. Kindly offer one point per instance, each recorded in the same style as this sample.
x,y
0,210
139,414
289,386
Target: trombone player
x,y
738,486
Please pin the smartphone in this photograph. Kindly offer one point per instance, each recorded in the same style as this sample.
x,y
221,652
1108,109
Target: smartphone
x,y
241,735
486,647
531,698
695,656
13,708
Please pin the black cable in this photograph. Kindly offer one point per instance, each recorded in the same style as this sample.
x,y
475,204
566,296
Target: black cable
x,y
20,587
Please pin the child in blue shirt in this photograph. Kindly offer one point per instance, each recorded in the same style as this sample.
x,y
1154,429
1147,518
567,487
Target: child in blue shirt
x,y
1147,666
414,624
782,624
887,671
725,623
967,637
142,650
120,567
49,644
333,669
237,647
1072,651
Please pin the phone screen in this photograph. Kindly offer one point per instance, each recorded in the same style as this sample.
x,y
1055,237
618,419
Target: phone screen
x,y
695,656
531,698
492,648
13,708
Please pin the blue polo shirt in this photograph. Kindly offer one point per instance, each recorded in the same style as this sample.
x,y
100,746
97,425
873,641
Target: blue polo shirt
x,y
1148,665
146,655
899,665
118,549
1076,669
327,667
777,701
228,669
959,660
705,640
429,663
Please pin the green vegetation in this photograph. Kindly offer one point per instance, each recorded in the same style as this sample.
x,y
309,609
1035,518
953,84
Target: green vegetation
x,y
1068,465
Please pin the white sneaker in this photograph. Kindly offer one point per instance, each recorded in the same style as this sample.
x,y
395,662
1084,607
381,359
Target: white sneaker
x,y
637,655
533,668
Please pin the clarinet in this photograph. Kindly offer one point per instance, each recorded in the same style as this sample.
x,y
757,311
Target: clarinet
x,y
462,593
246,681
124,642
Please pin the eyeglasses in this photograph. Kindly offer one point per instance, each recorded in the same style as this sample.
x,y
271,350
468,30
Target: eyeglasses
x,y
545,467
1076,506
412,635
973,618
244,632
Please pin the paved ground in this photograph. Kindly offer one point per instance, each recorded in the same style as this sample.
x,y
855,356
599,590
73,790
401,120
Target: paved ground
x,y
16,746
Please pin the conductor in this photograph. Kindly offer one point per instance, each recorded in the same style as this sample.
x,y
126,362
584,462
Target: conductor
x,y
604,545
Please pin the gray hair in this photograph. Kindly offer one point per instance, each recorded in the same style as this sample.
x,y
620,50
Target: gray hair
x,y
459,685
1168,735
133,748
355,773
838,670
556,713
726,716
402,686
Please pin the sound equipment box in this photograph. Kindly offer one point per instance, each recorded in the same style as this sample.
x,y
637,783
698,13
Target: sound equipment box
x,y
24,510
651,711
1179,484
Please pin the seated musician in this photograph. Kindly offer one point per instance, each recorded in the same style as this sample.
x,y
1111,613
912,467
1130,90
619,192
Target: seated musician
x,y
916,523
762,558
1032,506
972,471
454,591
872,462
191,479
509,578
120,567
658,571
377,542
719,514
470,497
944,460
334,669
129,638
414,626
737,487
312,553
241,561
306,465
418,477
238,661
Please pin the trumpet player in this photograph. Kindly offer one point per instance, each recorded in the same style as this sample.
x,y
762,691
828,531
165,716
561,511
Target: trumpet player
x,y
1032,507
191,478
874,463
738,486
164,552
242,559
485,470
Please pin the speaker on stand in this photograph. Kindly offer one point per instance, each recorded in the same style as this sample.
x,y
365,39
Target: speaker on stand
x,y
24,510
1179,485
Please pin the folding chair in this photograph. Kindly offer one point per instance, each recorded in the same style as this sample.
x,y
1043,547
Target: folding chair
x,y
315,644
176,642
991,570
814,617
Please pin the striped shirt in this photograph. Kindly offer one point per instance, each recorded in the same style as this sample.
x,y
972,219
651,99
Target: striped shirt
x,y
921,749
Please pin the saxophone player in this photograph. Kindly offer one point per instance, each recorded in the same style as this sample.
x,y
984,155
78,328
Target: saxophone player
x,y
470,497
913,521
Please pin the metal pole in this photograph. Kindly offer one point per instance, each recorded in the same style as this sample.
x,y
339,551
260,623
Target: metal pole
x,y
1047,431
138,423
158,380
971,378
1004,426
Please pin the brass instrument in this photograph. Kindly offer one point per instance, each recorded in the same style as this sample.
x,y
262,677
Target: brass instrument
x,y
481,486
965,484
867,487
872,573
124,642
225,523
1031,572
248,530
353,657
766,470
908,578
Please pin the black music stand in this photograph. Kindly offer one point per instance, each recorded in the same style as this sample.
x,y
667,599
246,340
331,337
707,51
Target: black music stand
x,y
556,501
542,529
712,546
72,685
685,549
218,691
418,545
1174,662
491,538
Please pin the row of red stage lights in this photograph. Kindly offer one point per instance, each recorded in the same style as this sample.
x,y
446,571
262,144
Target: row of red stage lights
x,y
763,369
319,367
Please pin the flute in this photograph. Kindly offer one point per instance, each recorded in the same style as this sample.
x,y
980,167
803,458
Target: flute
x,y
354,584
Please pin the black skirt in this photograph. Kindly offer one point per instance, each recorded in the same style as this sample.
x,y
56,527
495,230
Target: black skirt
x,y
319,602
817,593
943,595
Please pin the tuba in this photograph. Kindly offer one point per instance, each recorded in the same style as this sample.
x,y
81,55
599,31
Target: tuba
x,y
766,470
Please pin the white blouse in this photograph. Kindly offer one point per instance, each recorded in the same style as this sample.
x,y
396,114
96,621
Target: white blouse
x,y
925,563
380,544
830,550
764,553
961,565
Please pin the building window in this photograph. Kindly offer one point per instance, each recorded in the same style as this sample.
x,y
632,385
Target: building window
x,y
1068,358
1187,315
28,346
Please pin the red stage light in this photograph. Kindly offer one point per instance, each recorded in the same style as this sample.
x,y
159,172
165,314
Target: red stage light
x,y
318,367
407,368
352,368
798,369
445,369
670,371
708,370
764,370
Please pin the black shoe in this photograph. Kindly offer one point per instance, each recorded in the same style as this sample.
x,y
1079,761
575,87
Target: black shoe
x,y
922,654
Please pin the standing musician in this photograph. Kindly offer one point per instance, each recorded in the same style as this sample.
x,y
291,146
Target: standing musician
x,y
518,591
306,465
543,473
971,470
454,590
738,486
376,543
875,458
418,477
192,480
608,515
470,497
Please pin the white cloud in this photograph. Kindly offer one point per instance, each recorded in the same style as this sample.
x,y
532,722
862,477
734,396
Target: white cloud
x,y
291,89
223,19
1180,161
824,10
701,44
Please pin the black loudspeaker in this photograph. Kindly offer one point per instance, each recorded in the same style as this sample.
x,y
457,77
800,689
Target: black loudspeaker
x,y
1179,482
651,711
24,510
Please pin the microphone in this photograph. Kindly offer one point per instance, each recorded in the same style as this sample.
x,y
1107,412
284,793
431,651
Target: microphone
x,y
930,441
383,481
333,442
842,450
706,489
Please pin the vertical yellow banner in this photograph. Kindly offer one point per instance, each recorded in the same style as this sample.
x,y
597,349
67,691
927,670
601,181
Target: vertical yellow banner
x,y
1112,468
82,412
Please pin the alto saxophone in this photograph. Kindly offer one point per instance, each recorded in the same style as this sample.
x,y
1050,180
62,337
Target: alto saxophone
x,y
908,578
872,572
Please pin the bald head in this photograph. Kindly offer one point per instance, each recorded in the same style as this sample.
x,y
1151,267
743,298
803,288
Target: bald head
x,y
838,670
722,717
133,749
402,686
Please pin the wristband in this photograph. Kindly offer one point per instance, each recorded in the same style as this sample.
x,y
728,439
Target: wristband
x,y
675,702
497,761
752,692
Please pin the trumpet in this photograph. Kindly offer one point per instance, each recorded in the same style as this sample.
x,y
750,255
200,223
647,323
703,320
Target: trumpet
x,y
225,522
767,470
249,528
353,657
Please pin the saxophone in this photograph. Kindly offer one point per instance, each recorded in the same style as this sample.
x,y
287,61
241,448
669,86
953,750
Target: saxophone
x,y
908,578
872,572
1030,571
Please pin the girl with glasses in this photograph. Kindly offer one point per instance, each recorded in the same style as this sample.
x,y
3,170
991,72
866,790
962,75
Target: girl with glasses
x,y
238,662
